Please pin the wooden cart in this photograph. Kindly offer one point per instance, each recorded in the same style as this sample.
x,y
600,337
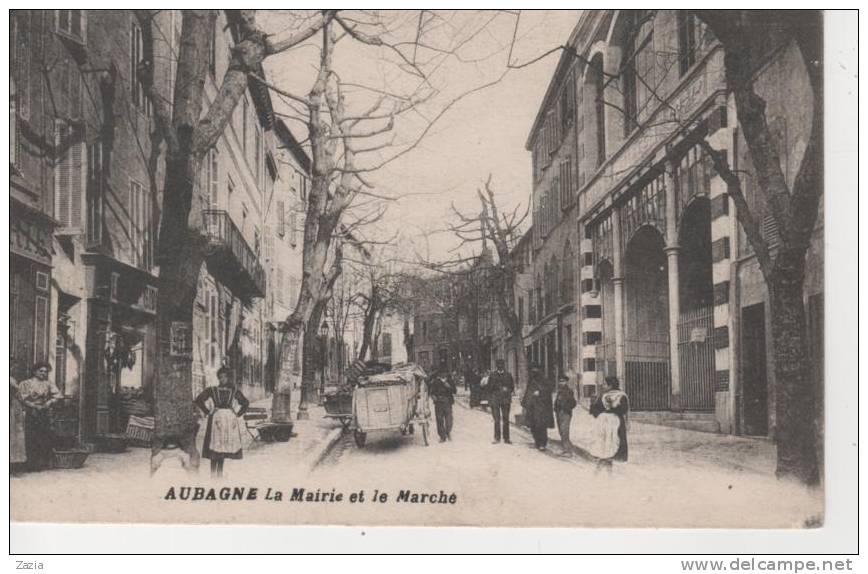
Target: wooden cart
x,y
393,401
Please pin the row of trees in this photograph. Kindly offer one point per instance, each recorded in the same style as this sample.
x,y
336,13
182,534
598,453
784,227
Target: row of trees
x,y
349,128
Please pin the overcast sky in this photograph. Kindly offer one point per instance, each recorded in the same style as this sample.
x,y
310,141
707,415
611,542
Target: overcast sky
x,y
484,132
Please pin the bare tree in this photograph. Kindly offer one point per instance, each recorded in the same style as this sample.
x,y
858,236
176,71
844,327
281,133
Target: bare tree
x,y
189,128
502,230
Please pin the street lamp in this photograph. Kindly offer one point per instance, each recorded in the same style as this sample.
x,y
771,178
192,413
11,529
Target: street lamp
x,y
323,333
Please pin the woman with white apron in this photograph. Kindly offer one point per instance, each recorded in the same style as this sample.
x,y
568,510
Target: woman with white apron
x,y
223,430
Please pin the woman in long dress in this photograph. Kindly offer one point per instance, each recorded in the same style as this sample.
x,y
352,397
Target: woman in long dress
x,y
223,429
38,395
17,442
611,409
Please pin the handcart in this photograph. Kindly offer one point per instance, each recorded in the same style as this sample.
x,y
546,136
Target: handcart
x,y
396,400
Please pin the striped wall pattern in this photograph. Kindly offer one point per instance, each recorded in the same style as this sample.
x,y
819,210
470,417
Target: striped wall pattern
x,y
722,256
591,323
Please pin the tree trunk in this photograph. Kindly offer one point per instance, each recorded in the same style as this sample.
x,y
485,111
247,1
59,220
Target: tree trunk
x,y
181,258
367,330
795,425
521,362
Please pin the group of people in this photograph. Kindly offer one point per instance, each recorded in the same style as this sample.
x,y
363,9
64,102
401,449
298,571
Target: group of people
x,y
545,406
32,441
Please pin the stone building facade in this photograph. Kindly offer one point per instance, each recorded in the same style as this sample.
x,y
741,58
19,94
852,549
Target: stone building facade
x,y
86,186
670,297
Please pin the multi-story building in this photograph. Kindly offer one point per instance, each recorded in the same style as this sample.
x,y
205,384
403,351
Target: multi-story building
x,y
670,296
284,225
86,179
82,140
557,143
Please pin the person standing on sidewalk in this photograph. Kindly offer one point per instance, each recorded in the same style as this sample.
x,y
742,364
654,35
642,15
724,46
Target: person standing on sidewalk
x,y
611,409
537,403
442,391
501,387
223,433
38,394
565,402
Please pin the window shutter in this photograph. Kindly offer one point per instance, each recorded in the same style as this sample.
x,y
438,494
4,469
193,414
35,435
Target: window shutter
x,y
22,61
213,180
13,131
770,231
40,329
292,226
74,91
281,219
77,182
280,283
62,173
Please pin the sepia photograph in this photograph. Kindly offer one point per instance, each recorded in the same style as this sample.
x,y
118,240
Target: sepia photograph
x,y
488,268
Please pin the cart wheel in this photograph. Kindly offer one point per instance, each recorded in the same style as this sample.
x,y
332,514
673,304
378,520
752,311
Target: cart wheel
x,y
411,429
360,438
425,433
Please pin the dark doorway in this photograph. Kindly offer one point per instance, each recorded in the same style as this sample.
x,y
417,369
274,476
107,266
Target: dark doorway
x,y
696,320
755,395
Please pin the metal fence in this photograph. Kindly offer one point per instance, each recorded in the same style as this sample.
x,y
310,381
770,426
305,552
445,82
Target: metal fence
x,y
696,355
646,370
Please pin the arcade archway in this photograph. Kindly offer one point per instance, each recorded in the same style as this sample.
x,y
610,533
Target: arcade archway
x,y
646,321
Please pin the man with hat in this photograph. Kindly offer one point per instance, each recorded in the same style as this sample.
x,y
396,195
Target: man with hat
x,y
442,389
501,387
565,402
537,403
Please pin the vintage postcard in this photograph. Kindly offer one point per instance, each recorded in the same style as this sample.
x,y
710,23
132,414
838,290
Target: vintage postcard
x,y
417,267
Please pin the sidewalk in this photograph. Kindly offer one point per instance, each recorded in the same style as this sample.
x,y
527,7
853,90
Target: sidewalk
x,y
310,441
657,445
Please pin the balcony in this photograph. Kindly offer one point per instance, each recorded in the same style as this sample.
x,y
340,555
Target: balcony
x,y
230,259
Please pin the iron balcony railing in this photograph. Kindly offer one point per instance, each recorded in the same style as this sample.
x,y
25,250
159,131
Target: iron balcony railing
x,y
231,246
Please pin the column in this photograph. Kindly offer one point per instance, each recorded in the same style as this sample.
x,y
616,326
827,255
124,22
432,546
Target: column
x,y
723,229
672,250
618,282
590,325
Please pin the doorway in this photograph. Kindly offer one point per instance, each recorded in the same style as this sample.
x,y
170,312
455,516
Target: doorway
x,y
754,373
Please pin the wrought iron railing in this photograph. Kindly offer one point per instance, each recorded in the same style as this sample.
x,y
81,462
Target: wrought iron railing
x,y
222,232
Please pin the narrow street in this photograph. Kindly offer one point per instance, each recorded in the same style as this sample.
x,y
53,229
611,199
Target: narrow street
x,y
667,483
516,484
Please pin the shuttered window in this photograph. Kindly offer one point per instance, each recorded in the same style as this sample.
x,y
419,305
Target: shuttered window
x,y
213,179
137,89
770,231
292,230
95,189
213,333
14,149
281,219
71,24
141,239
280,286
69,102
68,175
40,329
21,42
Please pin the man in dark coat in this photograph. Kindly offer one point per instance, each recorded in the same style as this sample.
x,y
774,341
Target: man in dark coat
x,y
565,402
442,391
537,403
472,380
500,390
